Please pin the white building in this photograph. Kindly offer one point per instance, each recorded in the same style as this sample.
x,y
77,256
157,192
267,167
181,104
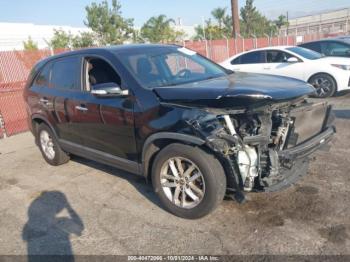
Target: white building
x,y
330,22
12,35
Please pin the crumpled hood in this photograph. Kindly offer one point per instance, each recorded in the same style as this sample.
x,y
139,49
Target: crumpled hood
x,y
236,90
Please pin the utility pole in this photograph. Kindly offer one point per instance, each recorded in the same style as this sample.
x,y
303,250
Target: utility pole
x,y
287,23
235,18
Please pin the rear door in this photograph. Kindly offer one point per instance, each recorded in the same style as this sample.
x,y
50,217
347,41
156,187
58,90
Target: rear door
x,y
251,62
41,97
66,88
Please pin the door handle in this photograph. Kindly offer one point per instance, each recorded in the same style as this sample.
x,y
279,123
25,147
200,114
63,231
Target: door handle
x,y
267,68
81,108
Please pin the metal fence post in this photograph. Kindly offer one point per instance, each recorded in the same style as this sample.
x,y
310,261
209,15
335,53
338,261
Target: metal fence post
x,y
268,39
2,126
206,48
227,48
255,42
235,45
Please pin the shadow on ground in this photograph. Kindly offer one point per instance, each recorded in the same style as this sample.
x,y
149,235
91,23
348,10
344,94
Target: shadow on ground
x,y
344,114
51,222
140,183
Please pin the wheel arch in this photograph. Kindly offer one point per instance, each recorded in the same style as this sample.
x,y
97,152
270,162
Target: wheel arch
x,y
38,120
156,142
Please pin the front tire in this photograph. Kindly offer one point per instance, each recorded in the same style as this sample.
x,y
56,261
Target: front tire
x,y
189,182
324,84
49,147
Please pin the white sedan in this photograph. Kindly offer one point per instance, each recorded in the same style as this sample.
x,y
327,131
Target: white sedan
x,y
327,74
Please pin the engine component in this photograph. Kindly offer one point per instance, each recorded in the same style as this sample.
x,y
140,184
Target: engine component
x,y
229,125
248,166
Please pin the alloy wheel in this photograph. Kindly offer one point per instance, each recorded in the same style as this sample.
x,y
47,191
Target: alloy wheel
x,y
182,182
322,85
47,145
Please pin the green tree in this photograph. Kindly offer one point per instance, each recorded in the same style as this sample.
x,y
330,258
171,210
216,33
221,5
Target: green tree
x,y
84,39
219,14
228,27
30,45
281,21
158,29
136,37
219,30
60,39
108,23
253,22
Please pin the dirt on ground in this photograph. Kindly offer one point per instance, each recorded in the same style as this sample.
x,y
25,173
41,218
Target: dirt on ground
x,y
87,208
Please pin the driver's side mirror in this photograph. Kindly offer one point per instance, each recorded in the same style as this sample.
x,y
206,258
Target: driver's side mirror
x,y
292,60
108,90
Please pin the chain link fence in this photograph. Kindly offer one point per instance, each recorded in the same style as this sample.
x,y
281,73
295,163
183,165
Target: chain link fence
x,y
15,67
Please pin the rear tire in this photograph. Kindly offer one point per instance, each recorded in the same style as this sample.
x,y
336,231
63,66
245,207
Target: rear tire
x,y
189,182
324,84
49,147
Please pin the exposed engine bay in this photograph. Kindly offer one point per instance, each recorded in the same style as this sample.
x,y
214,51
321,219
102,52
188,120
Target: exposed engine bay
x,y
262,146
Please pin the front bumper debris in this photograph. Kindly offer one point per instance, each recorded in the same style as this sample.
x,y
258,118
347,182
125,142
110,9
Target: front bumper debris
x,y
308,147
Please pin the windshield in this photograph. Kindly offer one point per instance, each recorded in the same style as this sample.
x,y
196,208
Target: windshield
x,y
306,53
169,66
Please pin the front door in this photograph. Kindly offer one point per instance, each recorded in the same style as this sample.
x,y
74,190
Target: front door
x,y
277,64
107,123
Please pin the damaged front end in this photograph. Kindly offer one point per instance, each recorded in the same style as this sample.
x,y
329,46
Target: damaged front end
x,y
264,148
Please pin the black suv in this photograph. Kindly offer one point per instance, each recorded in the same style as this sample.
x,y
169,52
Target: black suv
x,y
196,130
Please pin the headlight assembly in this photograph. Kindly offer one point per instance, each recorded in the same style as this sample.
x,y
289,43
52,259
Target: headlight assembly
x,y
344,67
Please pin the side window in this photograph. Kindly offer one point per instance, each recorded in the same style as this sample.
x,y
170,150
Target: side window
x,y
43,78
275,56
236,61
100,71
316,46
253,58
66,73
335,49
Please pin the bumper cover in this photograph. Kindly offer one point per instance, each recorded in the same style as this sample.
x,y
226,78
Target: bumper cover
x,y
308,147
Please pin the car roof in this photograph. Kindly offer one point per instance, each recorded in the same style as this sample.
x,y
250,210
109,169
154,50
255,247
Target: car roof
x,y
340,39
109,49
279,47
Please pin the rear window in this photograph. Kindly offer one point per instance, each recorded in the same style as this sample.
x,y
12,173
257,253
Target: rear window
x,y
252,58
43,78
315,46
66,73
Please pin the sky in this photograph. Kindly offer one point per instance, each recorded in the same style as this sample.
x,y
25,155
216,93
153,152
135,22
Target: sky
x,y
72,12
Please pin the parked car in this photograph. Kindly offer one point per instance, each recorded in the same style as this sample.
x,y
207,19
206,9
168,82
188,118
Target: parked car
x,y
327,74
196,130
339,46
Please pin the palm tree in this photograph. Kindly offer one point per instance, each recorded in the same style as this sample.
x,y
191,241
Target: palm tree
x,y
219,14
281,21
157,29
